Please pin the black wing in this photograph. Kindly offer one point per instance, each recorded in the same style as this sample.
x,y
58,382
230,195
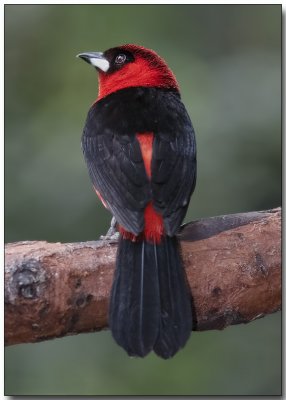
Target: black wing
x,y
117,171
115,163
174,166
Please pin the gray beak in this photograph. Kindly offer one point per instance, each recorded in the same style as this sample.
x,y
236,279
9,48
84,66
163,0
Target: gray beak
x,y
96,59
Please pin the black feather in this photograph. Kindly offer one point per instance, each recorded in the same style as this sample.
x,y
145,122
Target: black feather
x,y
115,162
150,303
150,306
175,300
135,304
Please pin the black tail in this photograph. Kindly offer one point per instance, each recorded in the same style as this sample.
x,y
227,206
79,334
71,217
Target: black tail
x,y
150,305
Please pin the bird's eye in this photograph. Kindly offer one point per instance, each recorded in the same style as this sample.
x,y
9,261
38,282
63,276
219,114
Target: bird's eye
x,y
120,59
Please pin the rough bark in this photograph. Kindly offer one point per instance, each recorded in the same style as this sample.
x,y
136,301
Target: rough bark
x,y
232,262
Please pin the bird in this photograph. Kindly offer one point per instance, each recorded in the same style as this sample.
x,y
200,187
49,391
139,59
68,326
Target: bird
x,y
140,149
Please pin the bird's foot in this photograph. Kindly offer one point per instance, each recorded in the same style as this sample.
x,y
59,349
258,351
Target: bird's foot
x,y
112,234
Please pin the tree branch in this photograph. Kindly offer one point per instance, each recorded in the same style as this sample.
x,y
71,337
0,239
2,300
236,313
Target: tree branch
x,y
232,262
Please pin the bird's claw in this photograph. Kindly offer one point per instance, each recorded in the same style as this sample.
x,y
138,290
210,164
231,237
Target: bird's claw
x,y
112,234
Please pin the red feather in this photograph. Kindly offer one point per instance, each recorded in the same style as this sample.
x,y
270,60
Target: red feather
x,y
148,70
154,227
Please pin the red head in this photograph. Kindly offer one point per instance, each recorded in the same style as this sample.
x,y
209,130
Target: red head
x,y
130,66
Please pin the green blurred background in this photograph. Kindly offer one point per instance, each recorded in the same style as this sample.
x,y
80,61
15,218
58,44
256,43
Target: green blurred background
x,y
228,62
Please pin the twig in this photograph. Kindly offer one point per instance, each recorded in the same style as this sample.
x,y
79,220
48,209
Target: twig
x,y
232,262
